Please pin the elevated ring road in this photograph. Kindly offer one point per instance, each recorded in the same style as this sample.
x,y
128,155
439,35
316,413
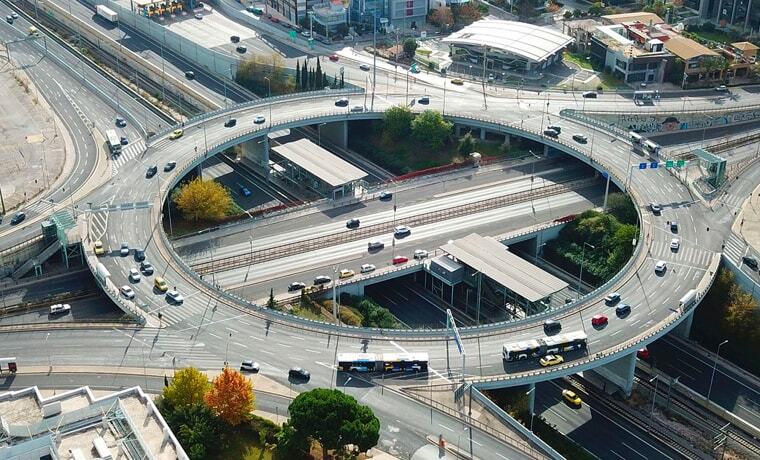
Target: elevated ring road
x,y
654,298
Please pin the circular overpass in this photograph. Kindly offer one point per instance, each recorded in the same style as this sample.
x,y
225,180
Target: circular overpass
x,y
653,298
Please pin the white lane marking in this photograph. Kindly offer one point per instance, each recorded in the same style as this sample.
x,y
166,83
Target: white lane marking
x,y
445,427
618,455
240,344
634,450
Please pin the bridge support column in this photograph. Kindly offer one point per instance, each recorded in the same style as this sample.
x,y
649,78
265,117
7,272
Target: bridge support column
x,y
618,373
482,134
507,141
683,330
458,130
532,400
257,150
199,171
336,132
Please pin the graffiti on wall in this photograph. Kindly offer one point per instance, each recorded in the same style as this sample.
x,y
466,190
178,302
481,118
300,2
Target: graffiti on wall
x,y
659,123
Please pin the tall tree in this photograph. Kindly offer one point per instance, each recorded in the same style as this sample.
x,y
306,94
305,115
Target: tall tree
x,y
318,75
298,74
231,397
201,199
621,206
410,46
197,429
430,128
305,76
188,387
466,145
397,122
342,83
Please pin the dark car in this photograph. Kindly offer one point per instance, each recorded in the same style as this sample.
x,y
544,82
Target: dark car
x,y
342,102
751,262
550,133
623,309
151,171
556,128
655,208
241,49
170,165
120,122
590,95
322,279
299,373
190,75
580,138
230,123
552,327
139,255
352,223
18,217
123,140
146,267
385,196
234,39
296,286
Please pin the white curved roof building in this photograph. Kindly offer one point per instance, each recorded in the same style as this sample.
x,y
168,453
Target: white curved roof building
x,y
508,45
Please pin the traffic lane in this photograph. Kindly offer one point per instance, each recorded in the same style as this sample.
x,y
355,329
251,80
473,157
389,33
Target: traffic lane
x,y
29,290
98,308
730,390
596,427
246,193
680,137
406,304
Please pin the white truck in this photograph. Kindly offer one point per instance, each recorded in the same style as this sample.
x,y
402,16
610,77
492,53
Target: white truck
x,y
106,13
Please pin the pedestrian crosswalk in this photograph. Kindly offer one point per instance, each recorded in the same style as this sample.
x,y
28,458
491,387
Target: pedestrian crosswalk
x,y
734,248
98,224
191,313
182,350
688,253
41,207
129,152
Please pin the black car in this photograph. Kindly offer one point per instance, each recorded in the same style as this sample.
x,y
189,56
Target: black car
x,y
552,327
170,165
299,373
751,262
550,133
296,286
623,309
580,138
146,267
556,128
230,123
234,39
120,122
139,255
241,49
590,95
322,279
342,102
352,223
386,196
123,140
18,217
190,75
151,171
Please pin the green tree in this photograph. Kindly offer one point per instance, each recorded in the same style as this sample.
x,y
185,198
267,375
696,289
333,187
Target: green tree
x,y
200,199
595,9
410,46
291,444
333,419
568,14
298,74
271,302
187,388
430,128
466,145
397,122
197,429
621,206
657,8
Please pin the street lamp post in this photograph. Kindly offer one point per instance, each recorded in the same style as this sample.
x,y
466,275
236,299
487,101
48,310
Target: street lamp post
x,y
531,405
226,350
532,176
715,366
656,380
583,259
346,383
269,83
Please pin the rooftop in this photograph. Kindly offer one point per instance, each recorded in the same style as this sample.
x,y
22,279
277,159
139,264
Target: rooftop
x,y
126,423
530,41
319,162
494,260
745,46
686,48
639,16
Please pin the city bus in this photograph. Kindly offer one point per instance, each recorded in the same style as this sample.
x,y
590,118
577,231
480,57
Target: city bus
x,y
635,137
536,348
385,362
651,147
114,142
358,362
646,96
689,299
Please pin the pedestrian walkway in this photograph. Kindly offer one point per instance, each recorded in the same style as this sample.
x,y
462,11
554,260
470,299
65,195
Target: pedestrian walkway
x,y
748,221
40,207
98,224
130,152
734,248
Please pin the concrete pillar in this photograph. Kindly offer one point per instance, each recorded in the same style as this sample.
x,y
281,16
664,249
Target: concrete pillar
x,y
619,372
257,150
683,330
507,141
482,134
199,171
336,132
458,130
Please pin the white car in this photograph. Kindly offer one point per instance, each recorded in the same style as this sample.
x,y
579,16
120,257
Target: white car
x,y
174,296
366,268
249,365
60,309
127,292
401,230
134,275
124,250
675,243
259,119
420,254
660,266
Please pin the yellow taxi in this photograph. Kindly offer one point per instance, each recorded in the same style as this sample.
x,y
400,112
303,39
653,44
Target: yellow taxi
x,y
571,397
160,284
551,360
346,273
98,248
176,134
457,81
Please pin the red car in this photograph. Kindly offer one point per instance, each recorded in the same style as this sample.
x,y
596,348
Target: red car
x,y
400,260
598,320
643,354
334,57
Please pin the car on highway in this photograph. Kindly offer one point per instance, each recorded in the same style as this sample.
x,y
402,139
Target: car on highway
x,y
98,248
612,297
557,128
241,49
457,81
230,123
623,309
552,326
598,320
254,10
342,102
365,67
322,279
127,292
123,140
170,165
176,134
398,260
571,397
249,365
357,109
346,273
420,254
550,133
134,275
306,34
721,89
424,100
152,170
655,208
353,223
375,245
120,122
244,191
296,286
674,226
190,75
124,249
299,373
259,119
751,262
366,268
9,19
18,218
198,16
660,267
160,284
234,39
60,309
139,255
334,57
174,296
580,138
385,196
14,15
401,231
675,244
551,360
590,95
146,268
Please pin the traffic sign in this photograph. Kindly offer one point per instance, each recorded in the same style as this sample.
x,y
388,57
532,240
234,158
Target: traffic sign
x,y
681,163
642,166
653,165
668,164
292,35
604,174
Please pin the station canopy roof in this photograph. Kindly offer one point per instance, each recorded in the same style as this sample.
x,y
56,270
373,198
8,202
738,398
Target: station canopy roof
x,y
319,162
494,260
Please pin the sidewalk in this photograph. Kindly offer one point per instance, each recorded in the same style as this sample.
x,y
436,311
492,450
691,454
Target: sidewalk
x,y
747,223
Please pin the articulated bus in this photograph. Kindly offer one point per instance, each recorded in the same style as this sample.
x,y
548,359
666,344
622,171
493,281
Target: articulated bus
x,y
635,137
688,300
651,147
386,362
536,348
645,96
114,142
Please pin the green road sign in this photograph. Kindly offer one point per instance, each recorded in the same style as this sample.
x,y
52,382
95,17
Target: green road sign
x,y
668,164
680,163
292,35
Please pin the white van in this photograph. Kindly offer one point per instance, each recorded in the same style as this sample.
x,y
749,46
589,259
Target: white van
x,y
375,245
60,309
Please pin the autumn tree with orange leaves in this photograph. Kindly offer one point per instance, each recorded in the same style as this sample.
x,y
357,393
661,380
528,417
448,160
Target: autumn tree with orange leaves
x,y
231,397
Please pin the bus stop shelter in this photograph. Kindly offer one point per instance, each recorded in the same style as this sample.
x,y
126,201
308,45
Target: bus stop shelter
x,y
316,168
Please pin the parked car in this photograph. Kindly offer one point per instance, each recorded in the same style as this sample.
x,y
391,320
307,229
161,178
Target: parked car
x,y
598,320
124,249
249,365
230,123
296,286
400,260
174,296
146,268
342,102
612,297
170,165
299,373
401,231
660,267
322,279
134,275
580,138
551,360
259,119
366,268
623,309
552,326
420,254
352,223
18,218
571,397
127,292
346,273
60,309
176,134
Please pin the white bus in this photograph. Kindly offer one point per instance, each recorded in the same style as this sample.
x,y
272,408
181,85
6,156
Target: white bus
x,y
646,96
114,142
635,137
536,348
652,147
688,300
385,362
